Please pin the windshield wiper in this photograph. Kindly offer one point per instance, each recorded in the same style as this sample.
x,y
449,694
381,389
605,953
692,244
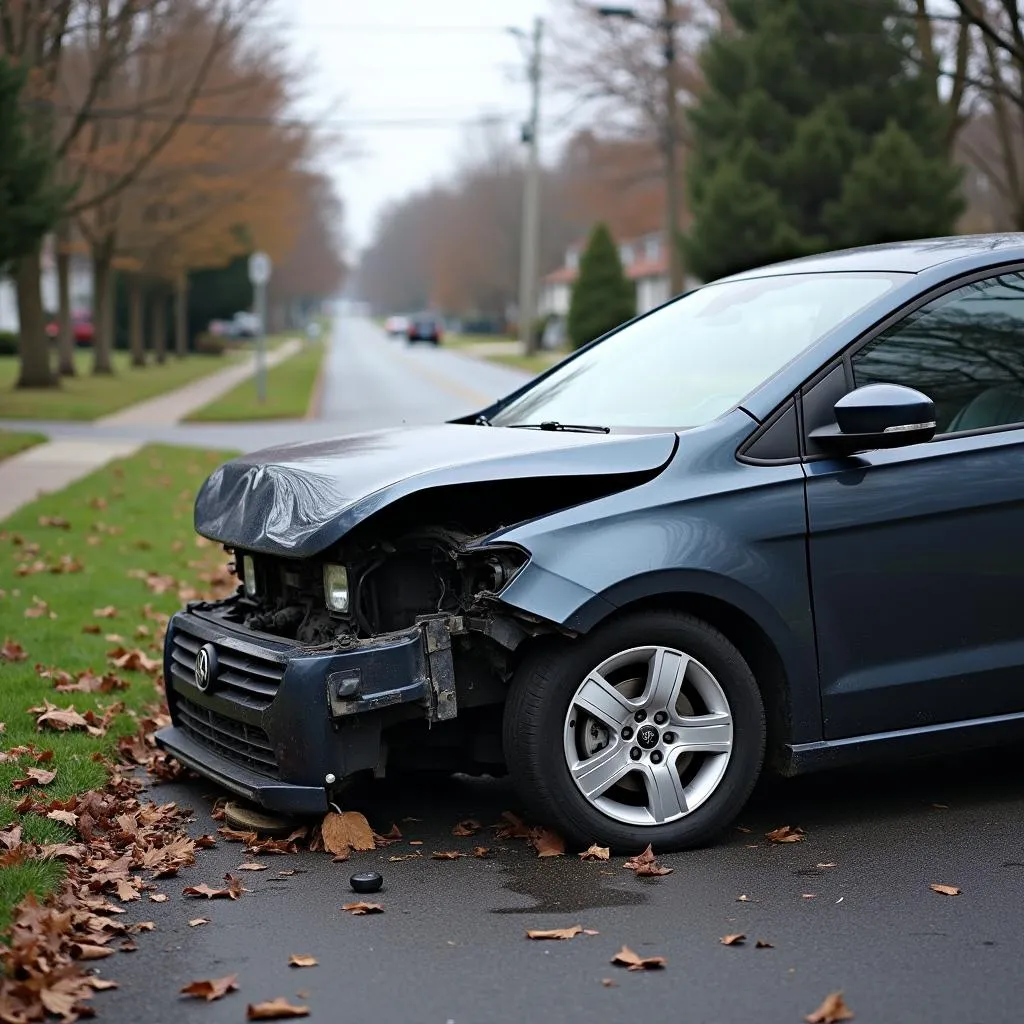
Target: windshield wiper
x,y
482,421
583,428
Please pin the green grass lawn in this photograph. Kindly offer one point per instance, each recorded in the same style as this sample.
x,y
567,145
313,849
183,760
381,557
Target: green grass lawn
x,y
135,514
289,391
87,398
536,363
11,443
462,340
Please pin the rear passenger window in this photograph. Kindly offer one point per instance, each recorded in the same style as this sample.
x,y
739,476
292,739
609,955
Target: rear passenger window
x,y
965,351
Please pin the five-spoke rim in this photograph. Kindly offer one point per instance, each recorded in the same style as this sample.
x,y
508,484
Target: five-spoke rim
x,y
648,735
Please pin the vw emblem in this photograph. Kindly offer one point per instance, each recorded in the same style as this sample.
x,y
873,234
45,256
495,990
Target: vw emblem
x,y
206,666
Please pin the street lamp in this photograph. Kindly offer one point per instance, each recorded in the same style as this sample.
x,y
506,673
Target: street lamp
x,y
667,25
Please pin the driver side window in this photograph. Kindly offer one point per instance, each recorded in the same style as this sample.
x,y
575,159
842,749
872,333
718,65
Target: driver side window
x,y
964,350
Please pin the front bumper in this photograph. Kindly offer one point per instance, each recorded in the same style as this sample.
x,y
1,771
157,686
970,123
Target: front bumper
x,y
275,719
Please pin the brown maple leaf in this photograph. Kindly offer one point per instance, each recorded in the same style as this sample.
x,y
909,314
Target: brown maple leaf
x,y
302,960
345,832
108,612
634,962
275,1009
733,940
469,827
547,843
786,834
560,933
211,988
361,908
833,1010
12,651
595,852
944,890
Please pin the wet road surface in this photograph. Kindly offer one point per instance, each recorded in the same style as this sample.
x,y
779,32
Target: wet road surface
x,y
451,945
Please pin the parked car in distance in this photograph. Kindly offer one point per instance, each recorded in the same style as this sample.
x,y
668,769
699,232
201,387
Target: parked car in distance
x,y
396,326
774,523
81,327
242,325
426,327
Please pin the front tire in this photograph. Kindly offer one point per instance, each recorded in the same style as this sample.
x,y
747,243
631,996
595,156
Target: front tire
x,y
651,729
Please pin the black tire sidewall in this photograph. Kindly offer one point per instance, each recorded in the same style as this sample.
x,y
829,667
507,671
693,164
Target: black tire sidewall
x,y
543,689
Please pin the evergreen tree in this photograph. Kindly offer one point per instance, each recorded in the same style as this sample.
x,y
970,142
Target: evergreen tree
x,y
603,297
815,132
30,201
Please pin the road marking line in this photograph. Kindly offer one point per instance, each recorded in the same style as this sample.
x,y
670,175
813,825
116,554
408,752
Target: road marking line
x,y
478,398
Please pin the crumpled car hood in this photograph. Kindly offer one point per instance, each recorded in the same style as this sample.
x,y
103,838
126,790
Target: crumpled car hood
x,y
299,499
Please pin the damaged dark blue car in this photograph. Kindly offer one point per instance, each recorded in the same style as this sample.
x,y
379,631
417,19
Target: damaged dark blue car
x,y
775,522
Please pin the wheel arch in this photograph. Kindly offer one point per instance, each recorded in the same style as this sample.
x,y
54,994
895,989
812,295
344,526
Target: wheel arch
x,y
786,676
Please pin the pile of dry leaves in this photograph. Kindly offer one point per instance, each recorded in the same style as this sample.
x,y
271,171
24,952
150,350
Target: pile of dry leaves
x,y
123,846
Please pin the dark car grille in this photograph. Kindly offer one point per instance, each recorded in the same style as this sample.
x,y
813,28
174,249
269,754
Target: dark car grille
x,y
242,677
244,744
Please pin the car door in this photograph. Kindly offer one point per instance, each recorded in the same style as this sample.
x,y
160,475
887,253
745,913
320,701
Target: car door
x,y
916,554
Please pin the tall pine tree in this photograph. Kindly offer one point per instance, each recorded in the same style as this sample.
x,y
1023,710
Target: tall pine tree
x,y
603,297
815,132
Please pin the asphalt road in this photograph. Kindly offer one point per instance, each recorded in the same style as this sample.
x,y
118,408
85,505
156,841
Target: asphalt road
x,y
370,382
451,945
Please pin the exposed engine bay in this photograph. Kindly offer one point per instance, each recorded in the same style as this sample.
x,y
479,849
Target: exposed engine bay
x,y
390,584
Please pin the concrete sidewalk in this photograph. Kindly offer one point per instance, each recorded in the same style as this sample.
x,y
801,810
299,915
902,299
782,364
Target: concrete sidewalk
x,y
52,466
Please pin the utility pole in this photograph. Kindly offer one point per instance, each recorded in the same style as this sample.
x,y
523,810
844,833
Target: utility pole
x,y
531,196
669,128
671,149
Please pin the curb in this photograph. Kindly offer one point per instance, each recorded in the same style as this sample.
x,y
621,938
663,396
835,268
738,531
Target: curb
x,y
317,393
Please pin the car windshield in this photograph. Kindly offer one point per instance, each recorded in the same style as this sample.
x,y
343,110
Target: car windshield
x,y
690,361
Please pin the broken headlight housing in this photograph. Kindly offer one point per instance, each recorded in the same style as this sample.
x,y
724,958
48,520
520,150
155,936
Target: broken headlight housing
x,y
249,575
336,592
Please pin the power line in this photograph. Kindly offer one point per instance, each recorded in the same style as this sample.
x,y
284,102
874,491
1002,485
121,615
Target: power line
x,y
401,29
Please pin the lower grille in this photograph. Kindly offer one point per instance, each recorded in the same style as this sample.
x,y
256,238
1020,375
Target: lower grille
x,y
244,744
242,677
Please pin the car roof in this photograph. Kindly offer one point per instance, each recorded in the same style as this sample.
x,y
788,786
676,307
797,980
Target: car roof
x,y
909,257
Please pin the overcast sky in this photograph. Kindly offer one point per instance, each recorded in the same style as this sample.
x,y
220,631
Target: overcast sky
x,y
450,61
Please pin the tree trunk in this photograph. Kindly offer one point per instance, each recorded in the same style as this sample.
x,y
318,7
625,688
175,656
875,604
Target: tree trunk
x,y
159,327
103,289
181,316
135,340
33,344
65,334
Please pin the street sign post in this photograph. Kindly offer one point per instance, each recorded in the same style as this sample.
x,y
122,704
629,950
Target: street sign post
x,y
260,269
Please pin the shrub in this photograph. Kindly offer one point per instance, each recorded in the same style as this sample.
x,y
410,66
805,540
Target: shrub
x,y
207,344
8,343
603,297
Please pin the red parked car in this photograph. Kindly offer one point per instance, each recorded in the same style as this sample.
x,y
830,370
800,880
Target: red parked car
x,y
81,327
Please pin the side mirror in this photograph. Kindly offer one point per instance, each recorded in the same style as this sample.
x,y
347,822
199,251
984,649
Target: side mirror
x,y
878,416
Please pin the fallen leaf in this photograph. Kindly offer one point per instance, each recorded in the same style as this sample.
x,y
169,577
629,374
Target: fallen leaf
x,y
197,921
609,983
447,855
346,831
645,865
824,867
12,651
483,852
555,933
652,870
595,853
415,842
468,827
108,612
945,890
211,988
634,962
59,522
763,944
158,897
786,834
93,628
359,909
86,951
252,866
832,1010
417,855
302,960
33,777
743,899
101,984
275,1009
548,843
230,893
733,940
